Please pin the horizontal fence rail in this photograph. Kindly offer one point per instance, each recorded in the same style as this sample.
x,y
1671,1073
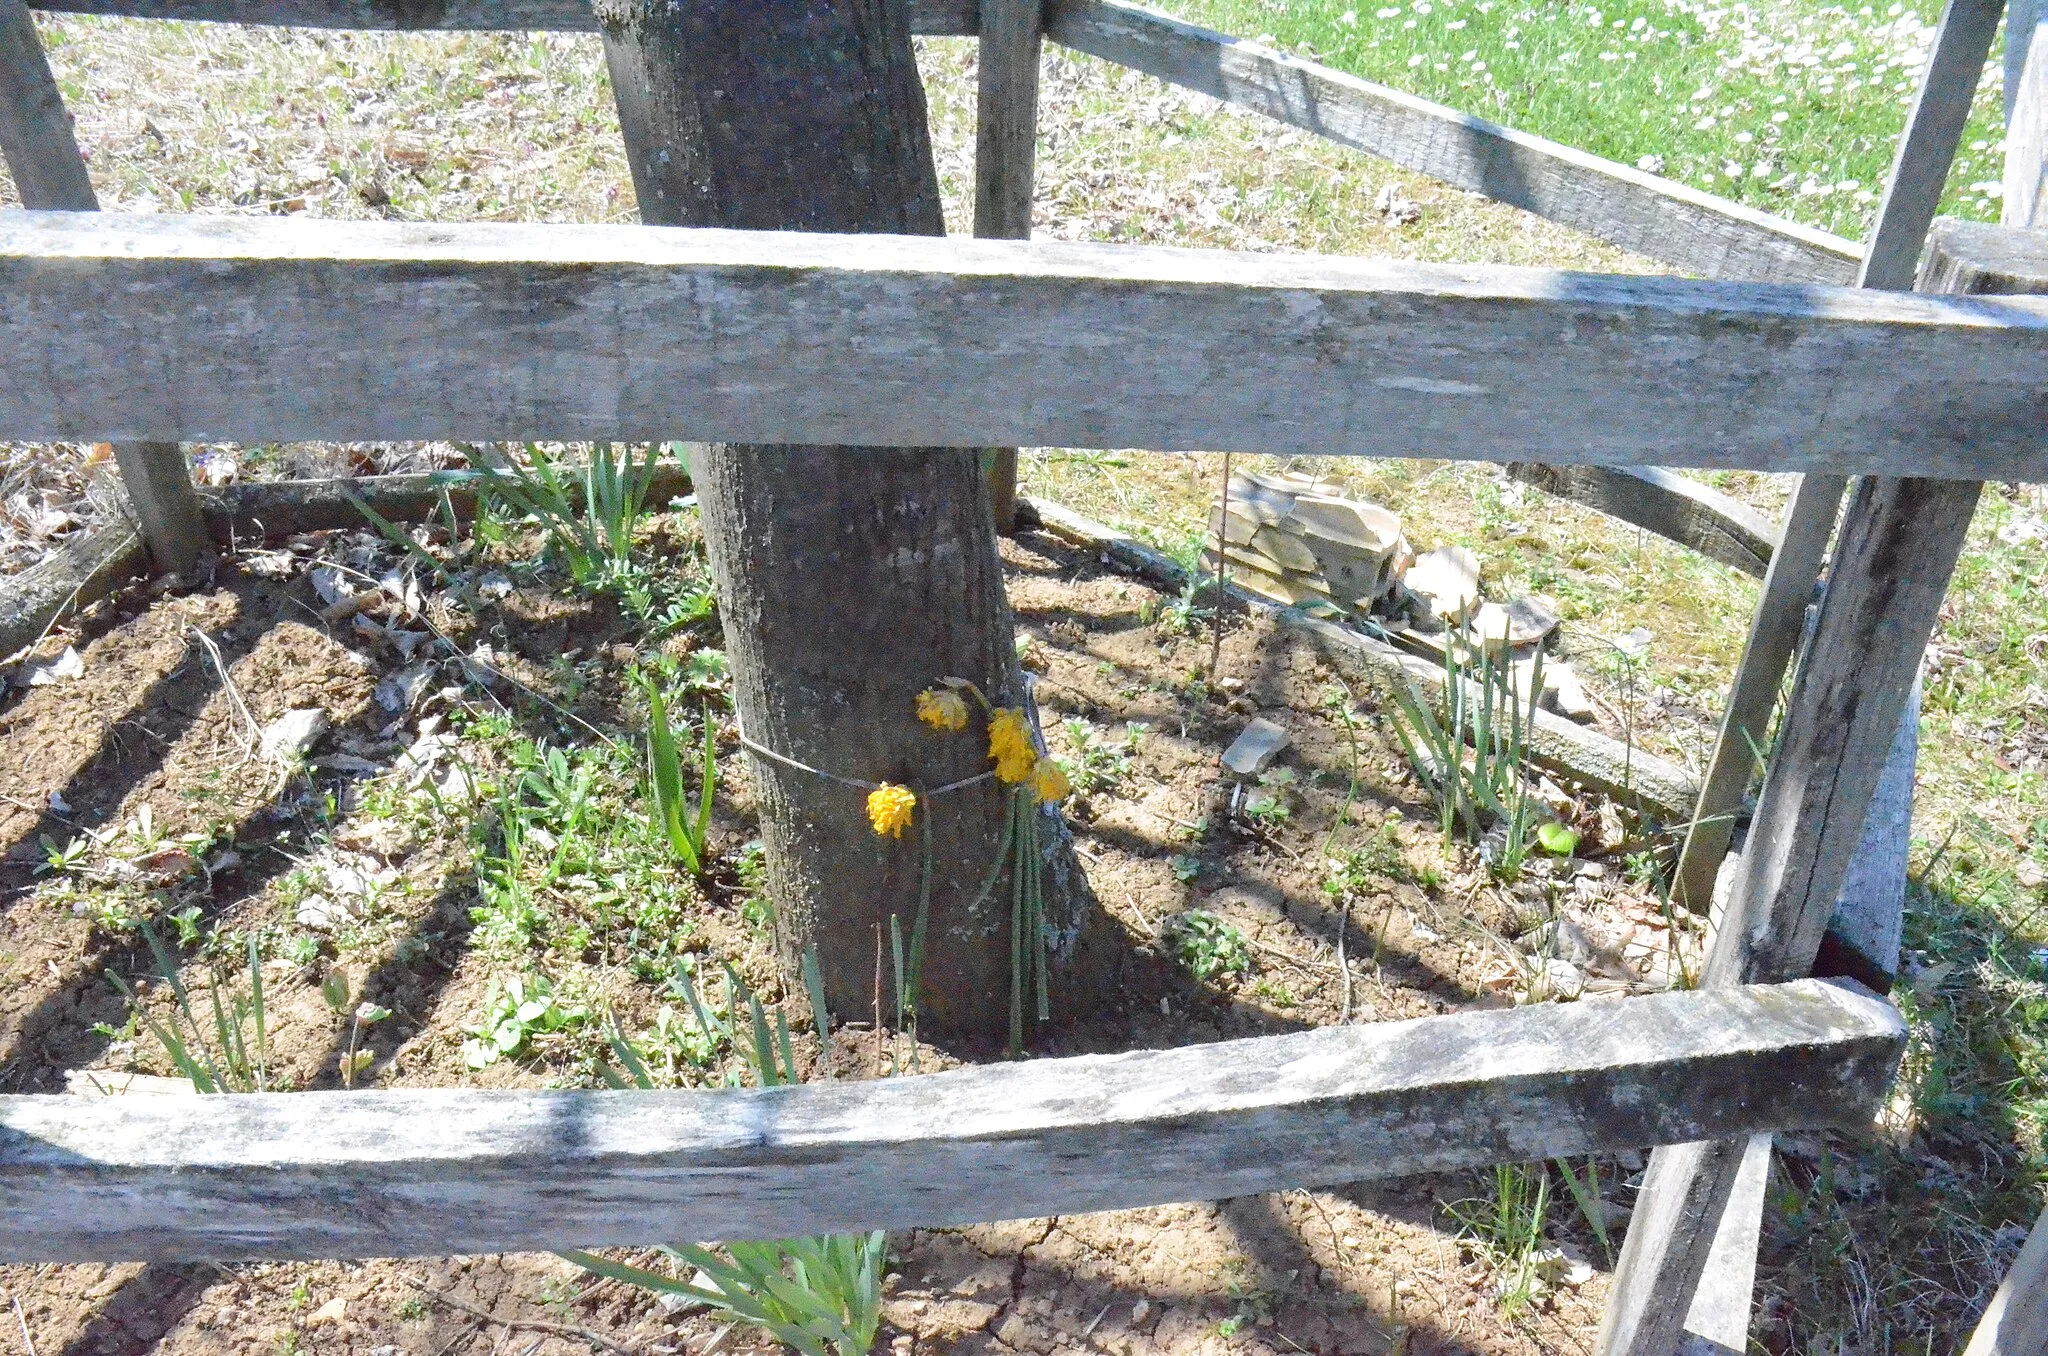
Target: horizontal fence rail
x,y
939,18
1699,232
259,329
1659,217
337,1174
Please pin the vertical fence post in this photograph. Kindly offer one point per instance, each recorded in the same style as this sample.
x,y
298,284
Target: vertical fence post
x,y
1005,150
1898,545
49,174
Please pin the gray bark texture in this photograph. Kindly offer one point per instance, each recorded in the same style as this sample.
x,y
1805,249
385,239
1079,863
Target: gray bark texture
x,y
849,578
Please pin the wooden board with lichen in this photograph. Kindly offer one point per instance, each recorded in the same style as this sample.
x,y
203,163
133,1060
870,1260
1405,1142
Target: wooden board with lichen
x,y
340,1174
203,328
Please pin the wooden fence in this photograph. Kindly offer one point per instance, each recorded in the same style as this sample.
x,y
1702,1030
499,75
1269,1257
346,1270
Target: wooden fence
x,y
489,331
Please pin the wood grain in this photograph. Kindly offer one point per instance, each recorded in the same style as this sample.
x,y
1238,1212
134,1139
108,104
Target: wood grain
x,y
1698,232
2026,114
50,175
1674,507
1927,149
1774,631
78,573
337,1174
1005,163
1899,542
35,130
255,329
2015,1323
955,18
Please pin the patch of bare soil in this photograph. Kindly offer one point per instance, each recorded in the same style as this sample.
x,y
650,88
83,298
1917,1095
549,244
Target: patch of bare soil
x,y
1328,893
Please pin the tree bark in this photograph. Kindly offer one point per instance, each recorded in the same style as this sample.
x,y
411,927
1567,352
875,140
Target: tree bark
x,y
849,579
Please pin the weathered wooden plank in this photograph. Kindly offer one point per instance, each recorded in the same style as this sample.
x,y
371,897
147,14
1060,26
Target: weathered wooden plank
x,y
275,508
1655,786
336,1174
42,155
1718,1322
1664,219
2026,114
74,575
35,130
2015,1323
1693,515
1898,544
1753,695
1928,148
270,329
955,18
1005,159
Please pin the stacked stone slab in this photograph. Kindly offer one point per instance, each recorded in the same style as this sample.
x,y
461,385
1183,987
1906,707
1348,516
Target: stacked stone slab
x,y
1294,539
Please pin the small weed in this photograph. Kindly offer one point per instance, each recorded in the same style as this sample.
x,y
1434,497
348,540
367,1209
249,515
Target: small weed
x,y
62,858
1269,806
1097,764
1184,867
1506,1229
1208,946
231,1052
515,1011
820,1295
684,829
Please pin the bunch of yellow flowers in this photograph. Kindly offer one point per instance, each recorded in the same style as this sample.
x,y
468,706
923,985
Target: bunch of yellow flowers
x,y
1010,747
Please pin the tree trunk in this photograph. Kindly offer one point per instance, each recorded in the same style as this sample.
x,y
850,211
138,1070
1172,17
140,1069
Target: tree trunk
x,y
849,579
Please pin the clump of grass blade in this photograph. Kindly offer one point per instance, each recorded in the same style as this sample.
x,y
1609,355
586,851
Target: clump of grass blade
x,y
821,1295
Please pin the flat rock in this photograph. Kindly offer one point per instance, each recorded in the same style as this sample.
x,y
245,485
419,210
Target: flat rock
x,y
1367,528
288,738
1253,751
1446,580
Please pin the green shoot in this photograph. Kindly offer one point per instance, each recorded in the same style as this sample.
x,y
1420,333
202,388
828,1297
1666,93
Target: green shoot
x,y
686,831
821,1296
234,1055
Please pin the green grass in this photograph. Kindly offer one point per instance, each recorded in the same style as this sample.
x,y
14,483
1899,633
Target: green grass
x,y
1789,106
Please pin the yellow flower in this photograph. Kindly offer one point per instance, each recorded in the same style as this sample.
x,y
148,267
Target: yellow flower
x,y
1049,782
1009,743
942,709
889,808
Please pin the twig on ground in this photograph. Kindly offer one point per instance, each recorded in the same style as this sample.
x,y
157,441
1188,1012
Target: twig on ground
x,y
22,1319
254,734
540,1325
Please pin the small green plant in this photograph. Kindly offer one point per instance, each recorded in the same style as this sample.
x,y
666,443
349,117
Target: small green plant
x,y
229,1053
515,1011
1179,615
62,858
1098,764
1208,946
1479,707
334,990
820,1295
1184,867
588,515
1505,1227
1268,806
685,831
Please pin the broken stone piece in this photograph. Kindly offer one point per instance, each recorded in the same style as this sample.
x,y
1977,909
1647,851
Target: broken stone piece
x,y
1253,751
1530,620
1446,580
1365,527
287,739
1564,693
